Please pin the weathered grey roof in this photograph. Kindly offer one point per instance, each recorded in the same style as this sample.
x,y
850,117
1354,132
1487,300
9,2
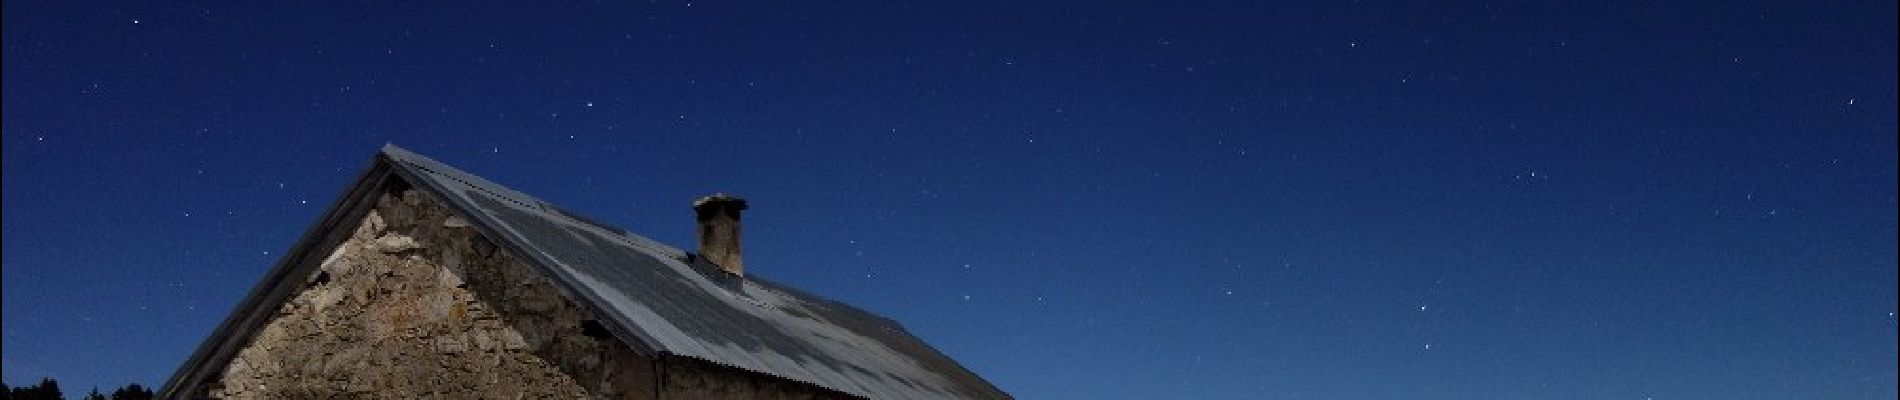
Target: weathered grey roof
x,y
655,297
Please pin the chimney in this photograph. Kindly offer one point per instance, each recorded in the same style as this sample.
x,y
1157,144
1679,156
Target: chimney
x,y
719,231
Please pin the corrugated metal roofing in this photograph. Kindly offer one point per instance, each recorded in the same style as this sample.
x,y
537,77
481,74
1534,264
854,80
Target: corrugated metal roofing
x,y
658,302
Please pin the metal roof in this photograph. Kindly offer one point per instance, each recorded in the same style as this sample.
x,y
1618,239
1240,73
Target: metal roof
x,y
660,300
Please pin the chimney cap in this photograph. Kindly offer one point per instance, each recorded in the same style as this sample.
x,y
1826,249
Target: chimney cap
x,y
722,199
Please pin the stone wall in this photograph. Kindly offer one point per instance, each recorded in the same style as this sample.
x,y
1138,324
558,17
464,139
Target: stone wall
x,y
417,304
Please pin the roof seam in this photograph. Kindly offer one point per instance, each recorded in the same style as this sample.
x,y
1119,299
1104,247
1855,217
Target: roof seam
x,y
622,235
618,233
536,205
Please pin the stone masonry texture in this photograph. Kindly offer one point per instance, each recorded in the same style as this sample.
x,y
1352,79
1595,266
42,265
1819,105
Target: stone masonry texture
x,y
417,304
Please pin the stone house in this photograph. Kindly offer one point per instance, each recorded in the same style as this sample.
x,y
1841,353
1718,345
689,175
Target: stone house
x,y
423,281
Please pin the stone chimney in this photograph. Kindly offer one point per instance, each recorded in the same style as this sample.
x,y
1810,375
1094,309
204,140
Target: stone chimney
x,y
719,231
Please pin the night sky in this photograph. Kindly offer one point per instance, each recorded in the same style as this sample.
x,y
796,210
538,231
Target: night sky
x,y
1326,200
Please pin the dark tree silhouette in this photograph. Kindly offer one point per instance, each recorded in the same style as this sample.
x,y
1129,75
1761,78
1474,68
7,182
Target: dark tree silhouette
x,y
132,392
46,390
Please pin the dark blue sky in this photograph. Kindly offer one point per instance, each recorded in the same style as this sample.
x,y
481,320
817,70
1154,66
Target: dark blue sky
x,y
1325,200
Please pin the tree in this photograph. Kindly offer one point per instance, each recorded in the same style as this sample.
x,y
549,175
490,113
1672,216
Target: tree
x,y
132,392
48,389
